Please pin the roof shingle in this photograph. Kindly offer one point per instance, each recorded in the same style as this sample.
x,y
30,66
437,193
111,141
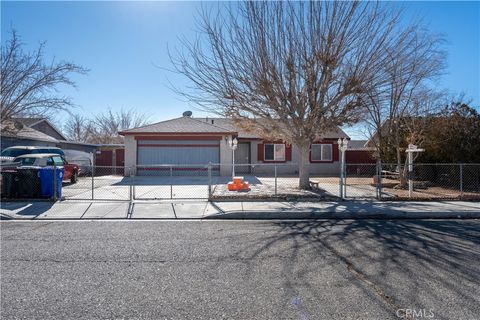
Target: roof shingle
x,y
179,125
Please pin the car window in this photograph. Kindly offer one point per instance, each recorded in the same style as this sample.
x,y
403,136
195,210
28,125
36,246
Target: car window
x,y
14,152
27,161
57,160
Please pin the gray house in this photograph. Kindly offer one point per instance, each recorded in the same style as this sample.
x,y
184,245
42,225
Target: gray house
x,y
198,141
41,132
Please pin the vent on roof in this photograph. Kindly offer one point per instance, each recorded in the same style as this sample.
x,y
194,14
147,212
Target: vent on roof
x,y
187,114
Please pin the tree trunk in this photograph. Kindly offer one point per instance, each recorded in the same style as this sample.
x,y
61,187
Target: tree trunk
x,y
304,166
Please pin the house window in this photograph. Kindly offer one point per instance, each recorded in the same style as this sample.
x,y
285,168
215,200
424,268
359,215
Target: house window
x,y
321,152
274,152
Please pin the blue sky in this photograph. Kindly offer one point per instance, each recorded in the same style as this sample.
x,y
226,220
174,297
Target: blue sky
x,y
124,44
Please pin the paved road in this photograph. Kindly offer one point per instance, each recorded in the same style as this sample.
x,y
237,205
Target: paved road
x,y
365,269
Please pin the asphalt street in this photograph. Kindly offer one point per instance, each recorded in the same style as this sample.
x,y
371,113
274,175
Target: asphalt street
x,y
355,269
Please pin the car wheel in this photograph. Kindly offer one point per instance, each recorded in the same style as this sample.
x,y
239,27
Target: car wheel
x,y
74,177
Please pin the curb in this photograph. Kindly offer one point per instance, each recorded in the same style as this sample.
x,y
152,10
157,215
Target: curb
x,y
296,215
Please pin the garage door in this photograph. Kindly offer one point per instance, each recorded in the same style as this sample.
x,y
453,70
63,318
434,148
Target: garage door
x,y
188,157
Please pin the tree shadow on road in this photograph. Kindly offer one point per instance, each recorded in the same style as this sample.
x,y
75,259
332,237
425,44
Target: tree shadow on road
x,y
405,263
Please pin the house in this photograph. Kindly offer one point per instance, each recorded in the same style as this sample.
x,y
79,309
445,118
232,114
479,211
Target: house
x,y
41,132
42,125
15,133
195,142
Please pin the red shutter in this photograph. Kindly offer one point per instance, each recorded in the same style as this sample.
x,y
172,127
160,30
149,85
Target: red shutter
x,y
288,152
260,151
335,152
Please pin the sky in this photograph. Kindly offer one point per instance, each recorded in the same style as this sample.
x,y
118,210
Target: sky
x,y
125,47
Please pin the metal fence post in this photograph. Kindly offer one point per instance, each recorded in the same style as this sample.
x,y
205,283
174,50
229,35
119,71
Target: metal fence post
x,y
209,180
341,180
461,181
379,180
54,182
171,182
93,181
131,183
275,179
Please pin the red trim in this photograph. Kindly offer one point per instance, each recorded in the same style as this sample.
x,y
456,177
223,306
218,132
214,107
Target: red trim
x,y
248,139
288,152
138,135
179,137
260,152
177,145
323,161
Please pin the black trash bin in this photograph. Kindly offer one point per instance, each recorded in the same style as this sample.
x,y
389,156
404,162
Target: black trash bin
x,y
28,182
8,181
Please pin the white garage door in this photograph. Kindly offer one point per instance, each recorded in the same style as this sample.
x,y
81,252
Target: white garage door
x,y
188,157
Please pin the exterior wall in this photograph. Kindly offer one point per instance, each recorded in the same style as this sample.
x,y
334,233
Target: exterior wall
x,y
130,152
225,163
291,167
359,156
75,146
225,157
12,141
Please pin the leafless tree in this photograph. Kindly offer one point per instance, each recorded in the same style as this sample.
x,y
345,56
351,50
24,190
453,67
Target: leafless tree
x,y
288,70
28,85
79,128
405,100
105,126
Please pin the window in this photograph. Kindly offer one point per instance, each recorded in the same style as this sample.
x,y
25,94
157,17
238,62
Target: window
x,y
57,160
321,152
13,152
27,161
274,152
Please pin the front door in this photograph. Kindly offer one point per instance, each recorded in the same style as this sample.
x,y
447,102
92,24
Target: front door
x,y
242,157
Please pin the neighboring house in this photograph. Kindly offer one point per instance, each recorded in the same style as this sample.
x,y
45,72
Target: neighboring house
x,y
42,125
40,132
197,142
110,155
359,153
17,134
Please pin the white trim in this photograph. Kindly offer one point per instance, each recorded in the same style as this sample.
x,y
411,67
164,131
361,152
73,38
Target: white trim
x,y
322,145
274,157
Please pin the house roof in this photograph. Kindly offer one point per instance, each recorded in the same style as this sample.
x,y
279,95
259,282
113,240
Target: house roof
x,y
358,145
179,125
211,125
242,133
30,122
9,129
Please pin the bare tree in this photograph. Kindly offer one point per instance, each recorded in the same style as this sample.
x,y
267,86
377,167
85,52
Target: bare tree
x,y
405,101
288,70
105,126
28,85
79,128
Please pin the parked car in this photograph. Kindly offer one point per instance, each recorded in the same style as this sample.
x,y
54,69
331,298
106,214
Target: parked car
x,y
11,153
71,171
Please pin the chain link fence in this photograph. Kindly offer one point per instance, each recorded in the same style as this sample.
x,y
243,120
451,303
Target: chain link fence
x,y
260,181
